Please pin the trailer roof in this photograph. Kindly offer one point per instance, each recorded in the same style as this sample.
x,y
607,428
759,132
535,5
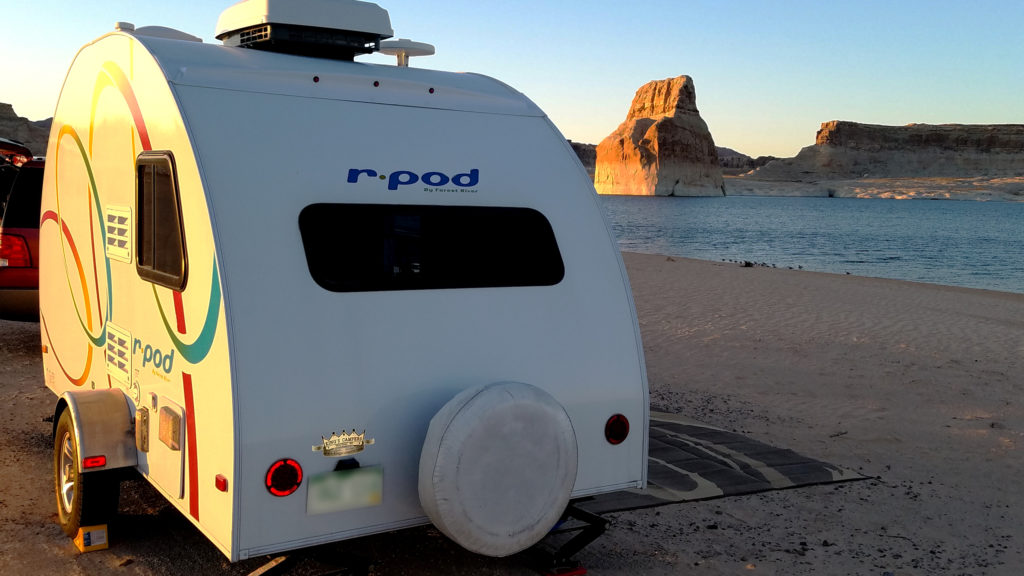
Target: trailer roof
x,y
249,70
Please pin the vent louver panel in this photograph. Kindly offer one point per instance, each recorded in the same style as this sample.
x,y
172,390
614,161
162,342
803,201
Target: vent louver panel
x,y
118,225
118,353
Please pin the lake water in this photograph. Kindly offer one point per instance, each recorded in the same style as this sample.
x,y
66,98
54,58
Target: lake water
x,y
971,244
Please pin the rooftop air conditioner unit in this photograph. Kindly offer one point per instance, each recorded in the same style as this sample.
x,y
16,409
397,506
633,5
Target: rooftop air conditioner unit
x,y
336,29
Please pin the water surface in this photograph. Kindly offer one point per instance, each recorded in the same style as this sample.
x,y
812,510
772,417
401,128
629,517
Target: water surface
x,y
971,244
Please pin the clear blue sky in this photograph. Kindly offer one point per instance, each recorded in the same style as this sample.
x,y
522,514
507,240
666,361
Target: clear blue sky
x,y
767,73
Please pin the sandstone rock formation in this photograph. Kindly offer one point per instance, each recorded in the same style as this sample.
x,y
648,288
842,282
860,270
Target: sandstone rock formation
x,y
31,134
849,150
663,148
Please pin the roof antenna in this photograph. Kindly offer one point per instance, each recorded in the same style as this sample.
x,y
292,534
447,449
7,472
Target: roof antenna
x,y
404,48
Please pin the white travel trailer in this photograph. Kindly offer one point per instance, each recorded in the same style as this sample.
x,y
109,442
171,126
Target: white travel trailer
x,y
311,299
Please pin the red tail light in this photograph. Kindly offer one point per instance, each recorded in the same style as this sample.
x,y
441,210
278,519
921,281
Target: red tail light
x,y
616,429
284,477
14,252
94,461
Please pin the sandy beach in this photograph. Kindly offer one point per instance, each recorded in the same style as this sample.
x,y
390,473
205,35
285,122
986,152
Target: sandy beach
x,y
913,385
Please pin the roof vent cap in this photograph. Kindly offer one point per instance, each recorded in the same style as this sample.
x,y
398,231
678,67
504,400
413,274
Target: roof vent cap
x,y
404,49
337,29
165,32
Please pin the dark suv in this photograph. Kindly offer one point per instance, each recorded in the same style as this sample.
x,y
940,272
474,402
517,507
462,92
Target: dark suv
x,y
19,244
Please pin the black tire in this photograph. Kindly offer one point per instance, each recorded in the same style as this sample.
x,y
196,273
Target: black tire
x,y
82,499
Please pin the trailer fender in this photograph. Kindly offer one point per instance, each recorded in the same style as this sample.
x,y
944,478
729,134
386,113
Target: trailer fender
x,y
497,467
104,426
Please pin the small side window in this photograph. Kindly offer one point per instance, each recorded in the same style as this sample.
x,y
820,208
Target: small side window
x,y
160,235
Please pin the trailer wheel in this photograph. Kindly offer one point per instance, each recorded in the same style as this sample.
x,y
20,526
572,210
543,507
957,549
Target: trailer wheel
x,y
497,467
82,499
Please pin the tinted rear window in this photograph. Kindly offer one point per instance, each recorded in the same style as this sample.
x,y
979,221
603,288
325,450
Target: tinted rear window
x,y
22,209
376,247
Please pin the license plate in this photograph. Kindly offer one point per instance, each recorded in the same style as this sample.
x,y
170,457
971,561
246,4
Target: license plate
x,y
345,490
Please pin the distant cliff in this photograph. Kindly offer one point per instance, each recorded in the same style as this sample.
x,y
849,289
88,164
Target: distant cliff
x,y
663,148
848,150
31,134
587,153
733,162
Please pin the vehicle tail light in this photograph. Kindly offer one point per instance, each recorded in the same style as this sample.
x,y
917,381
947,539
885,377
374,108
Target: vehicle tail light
x,y
14,252
616,429
94,461
284,477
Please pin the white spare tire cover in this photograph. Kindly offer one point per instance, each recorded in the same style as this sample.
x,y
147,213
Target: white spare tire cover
x,y
497,467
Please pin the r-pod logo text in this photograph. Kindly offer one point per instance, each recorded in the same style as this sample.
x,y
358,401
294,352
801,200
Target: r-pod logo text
x,y
154,356
405,178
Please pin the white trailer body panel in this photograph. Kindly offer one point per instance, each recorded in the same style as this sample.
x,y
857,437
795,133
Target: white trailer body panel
x,y
267,362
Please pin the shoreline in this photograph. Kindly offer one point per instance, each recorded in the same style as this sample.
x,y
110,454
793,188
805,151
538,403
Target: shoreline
x,y
769,266
975,189
967,189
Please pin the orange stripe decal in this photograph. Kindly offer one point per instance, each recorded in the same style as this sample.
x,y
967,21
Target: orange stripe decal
x,y
88,361
50,215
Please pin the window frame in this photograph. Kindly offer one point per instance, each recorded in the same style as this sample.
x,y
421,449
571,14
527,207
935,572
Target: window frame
x,y
148,272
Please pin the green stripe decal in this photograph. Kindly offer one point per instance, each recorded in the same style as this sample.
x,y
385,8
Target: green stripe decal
x,y
197,351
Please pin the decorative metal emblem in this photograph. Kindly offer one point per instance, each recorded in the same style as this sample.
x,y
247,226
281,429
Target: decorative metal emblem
x,y
343,444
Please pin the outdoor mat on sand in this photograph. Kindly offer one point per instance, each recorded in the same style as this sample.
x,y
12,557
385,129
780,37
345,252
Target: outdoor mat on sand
x,y
690,461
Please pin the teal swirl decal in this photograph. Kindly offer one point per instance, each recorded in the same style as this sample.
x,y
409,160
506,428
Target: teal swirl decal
x,y
197,351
